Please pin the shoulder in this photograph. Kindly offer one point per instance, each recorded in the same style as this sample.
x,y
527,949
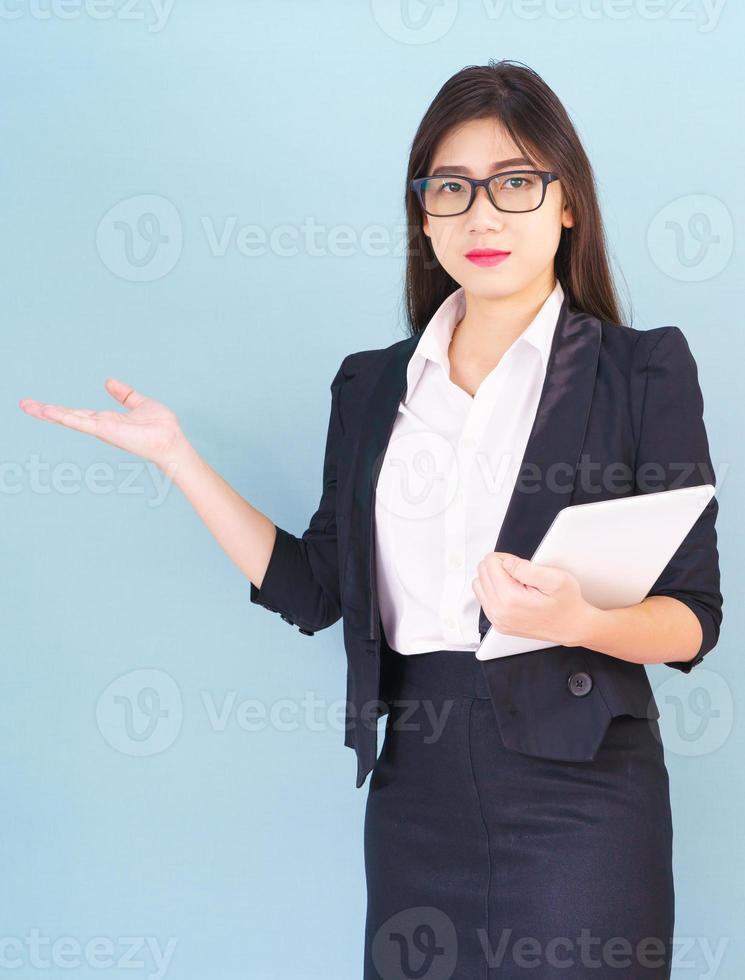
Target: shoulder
x,y
364,366
665,351
362,360
633,350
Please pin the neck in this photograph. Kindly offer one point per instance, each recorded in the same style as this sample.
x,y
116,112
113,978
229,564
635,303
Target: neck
x,y
490,325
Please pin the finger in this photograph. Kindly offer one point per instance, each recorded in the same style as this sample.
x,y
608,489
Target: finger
x,y
479,591
38,409
528,573
502,579
82,412
124,394
485,600
505,558
495,579
542,577
71,419
31,407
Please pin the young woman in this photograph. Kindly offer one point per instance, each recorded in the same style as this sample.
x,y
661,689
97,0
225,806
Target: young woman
x,y
518,820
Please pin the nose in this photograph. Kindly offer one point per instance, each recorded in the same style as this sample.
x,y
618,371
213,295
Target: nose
x,y
482,211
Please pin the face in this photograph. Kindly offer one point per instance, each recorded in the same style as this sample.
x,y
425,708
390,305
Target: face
x,y
480,148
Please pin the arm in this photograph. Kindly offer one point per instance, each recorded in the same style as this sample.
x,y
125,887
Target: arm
x,y
679,621
299,577
296,577
651,632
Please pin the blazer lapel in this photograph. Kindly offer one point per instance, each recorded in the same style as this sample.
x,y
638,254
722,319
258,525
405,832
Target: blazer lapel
x,y
549,463
556,438
378,414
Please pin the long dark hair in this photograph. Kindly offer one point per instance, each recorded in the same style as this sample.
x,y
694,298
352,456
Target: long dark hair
x,y
539,124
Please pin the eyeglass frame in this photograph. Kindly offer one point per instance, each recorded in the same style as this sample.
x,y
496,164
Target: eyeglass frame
x,y
546,176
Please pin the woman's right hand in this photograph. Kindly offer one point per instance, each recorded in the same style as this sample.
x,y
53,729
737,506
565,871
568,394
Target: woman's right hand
x,y
147,428
151,430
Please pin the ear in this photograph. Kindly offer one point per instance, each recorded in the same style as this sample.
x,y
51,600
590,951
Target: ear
x,y
425,226
567,217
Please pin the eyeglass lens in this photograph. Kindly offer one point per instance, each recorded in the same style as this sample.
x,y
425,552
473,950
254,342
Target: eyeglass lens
x,y
448,195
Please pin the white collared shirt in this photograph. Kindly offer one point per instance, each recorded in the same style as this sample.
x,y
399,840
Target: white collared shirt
x,y
447,477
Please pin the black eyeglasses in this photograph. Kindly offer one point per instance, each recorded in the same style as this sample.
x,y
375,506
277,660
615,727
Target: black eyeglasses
x,y
515,191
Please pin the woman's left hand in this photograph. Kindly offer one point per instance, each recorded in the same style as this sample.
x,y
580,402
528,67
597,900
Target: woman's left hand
x,y
539,601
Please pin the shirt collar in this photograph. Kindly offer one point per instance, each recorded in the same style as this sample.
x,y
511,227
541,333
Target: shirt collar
x,y
435,339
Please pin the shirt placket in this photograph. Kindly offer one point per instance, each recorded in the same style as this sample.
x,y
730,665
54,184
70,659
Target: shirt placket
x,y
454,629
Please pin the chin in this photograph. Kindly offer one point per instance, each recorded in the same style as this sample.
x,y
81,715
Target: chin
x,y
490,285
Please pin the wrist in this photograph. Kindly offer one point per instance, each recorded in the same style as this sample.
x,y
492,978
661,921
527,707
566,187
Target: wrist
x,y
181,454
588,627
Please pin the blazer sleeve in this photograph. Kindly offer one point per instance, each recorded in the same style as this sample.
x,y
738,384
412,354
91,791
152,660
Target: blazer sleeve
x,y
301,581
673,452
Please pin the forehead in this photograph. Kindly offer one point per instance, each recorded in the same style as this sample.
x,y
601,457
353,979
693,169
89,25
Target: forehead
x,y
478,144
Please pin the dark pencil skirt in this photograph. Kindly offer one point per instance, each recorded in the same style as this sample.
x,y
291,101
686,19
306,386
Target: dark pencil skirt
x,y
483,863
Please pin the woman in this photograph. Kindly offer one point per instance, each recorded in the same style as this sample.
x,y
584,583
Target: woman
x,y
518,819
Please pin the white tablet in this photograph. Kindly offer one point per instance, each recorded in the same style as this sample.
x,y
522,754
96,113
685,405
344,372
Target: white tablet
x,y
616,548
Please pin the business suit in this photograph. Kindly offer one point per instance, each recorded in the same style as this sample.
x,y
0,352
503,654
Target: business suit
x,y
482,862
615,401
540,813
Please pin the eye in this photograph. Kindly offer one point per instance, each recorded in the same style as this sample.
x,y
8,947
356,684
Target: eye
x,y
457,187
517,182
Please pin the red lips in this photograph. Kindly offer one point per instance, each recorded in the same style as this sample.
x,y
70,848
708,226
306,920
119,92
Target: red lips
x,y
487,256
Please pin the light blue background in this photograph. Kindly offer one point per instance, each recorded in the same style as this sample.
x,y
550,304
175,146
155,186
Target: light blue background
x,y
246,847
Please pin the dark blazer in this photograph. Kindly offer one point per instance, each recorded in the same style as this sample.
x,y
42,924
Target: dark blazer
x,y
620,413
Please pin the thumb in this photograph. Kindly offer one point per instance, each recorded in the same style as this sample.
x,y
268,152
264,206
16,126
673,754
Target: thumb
x,y
508,559
541,577
125,394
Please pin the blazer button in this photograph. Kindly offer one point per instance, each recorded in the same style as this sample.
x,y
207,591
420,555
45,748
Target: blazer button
x,y
580,683
307,632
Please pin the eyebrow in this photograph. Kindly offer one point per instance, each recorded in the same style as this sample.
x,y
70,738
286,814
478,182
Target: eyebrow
x,y
457,168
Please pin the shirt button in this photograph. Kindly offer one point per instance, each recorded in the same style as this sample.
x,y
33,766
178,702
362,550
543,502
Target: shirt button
x,y
449,621
468,442
455,561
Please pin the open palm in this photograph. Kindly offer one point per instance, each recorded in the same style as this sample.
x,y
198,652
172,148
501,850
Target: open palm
x,y
146,427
